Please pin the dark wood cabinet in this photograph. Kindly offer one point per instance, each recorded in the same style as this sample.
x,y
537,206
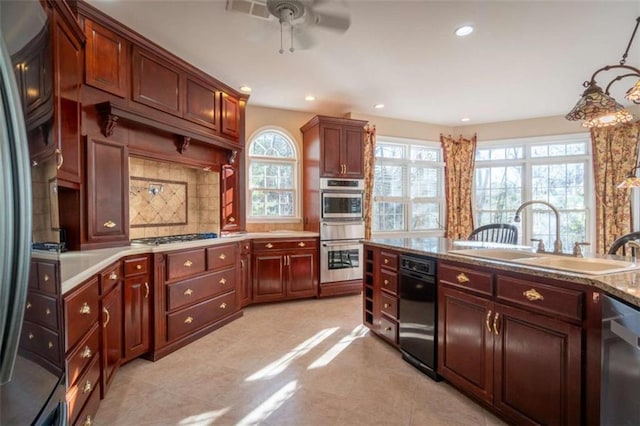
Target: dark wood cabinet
x,y
107,193
528,366
111,323
137,299
106,59
246,290
230,217
380,296
284,269
155,82
230,115
202,104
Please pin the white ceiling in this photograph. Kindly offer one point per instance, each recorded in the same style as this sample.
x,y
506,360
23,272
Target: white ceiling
x,y
525,59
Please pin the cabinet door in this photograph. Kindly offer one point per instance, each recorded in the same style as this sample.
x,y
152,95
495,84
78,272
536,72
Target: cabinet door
x,y
230,116
137,326
330,141
201,104
155,83
268,277
111,321
537,368
302,279
229,181
353,153
67,62
105,59
245,275
465,341
107,191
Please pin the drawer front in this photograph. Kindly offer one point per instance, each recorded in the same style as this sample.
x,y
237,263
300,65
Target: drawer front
x,y
475,281
192,290
389,306
110,277
389,330
41,340
47,277
86,351
42,309
389,281
273,245
191,319
221,257
136,266
87,385
185,264
81,313
389,260
556,301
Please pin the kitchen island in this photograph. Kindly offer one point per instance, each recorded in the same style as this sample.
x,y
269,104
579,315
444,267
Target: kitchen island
x,y
522,340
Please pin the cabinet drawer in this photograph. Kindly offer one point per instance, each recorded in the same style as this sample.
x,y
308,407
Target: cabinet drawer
x,y
88,413
42,309
47,274
80,312
185,264
389,281
110,277
86,351
389,306
193,290
87,385
541,297
389,260
189,320
273,245
41,340
221,257
136,266
476,281
389,329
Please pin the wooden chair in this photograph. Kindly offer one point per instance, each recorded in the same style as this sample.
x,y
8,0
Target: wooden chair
x,y
627,245
496,233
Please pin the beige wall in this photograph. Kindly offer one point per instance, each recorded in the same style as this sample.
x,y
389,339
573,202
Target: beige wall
x,y
404,128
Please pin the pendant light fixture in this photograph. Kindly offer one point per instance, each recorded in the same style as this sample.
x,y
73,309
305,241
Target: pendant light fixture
x,y
597,107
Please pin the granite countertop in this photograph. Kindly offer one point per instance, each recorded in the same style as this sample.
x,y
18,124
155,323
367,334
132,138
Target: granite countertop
x,y
78,266
623,285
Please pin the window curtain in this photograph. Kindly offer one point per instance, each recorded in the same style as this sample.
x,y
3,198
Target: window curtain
x,y
369,166
458,158
615,154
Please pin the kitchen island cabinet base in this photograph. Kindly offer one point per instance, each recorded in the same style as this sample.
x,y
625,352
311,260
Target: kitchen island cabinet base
x,y
340,288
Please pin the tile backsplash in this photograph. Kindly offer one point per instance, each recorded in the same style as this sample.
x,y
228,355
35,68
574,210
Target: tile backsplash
x,y
171,199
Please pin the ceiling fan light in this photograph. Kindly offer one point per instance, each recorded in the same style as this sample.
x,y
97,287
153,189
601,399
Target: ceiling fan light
x,y
633,94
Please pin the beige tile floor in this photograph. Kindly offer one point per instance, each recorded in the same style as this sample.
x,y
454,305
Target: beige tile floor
x,y
307,362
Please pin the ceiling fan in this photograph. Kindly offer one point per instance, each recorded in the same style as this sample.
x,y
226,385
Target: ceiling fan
x,y
299,17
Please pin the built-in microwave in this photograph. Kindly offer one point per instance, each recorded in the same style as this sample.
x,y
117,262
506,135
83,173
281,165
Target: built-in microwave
x,y
342,198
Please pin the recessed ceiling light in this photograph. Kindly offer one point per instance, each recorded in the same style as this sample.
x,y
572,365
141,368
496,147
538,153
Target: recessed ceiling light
x,y
309,98
378,106
464,30
245,89
465,119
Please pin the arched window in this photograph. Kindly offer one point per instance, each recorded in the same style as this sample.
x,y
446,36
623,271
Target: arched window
x,y
272,178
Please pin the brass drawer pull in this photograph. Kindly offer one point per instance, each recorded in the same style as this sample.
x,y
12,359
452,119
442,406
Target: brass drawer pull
x,y
462,278
113,276
31,336
301,244
222,256
47,311
223,305
232,219
486,322
187,264
146,289
495,323
28,305
386,261
46,277
60,158
223,281
85,309
189,320
386,305
533,295
86,353
269,245
188,292
50,344
138,267
109,224
88,421
388,329
386,282
106,312
87,387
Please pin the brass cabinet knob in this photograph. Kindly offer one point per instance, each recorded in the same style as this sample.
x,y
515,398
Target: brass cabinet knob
x,y
386,282
386,305
86,353
109,224
232,219
106,312
138,267
47,311
28,305
187,264
223,305
50,344
31,336
88,421
268,245
188,320
85,309
462,278
146,288
222,256
113,276
386,261
87,387
532,295
301,244
46,277
188,292
223,281
388,329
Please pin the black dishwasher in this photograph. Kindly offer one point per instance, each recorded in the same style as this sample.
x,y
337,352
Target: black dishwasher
x,y
418,315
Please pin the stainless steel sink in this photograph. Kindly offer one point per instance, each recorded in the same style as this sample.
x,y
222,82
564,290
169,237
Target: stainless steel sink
x,y
586,265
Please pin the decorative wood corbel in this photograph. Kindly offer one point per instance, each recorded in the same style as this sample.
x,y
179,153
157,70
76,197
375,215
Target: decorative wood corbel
x,y
107,120
184,144
232,156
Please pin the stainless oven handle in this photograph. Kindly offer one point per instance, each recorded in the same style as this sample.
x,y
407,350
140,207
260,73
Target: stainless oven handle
x,y
351,243
355,222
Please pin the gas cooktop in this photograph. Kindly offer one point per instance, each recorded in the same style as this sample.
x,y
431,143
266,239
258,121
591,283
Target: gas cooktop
x,y
156,241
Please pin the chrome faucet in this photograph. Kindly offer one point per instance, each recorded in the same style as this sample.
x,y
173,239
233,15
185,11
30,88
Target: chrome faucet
x,y
557,245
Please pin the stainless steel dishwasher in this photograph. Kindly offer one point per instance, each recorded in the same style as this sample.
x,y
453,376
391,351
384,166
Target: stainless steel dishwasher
x,y
620,386
418,315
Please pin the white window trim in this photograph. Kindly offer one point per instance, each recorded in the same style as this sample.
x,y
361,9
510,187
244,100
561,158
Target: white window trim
x,y
297,208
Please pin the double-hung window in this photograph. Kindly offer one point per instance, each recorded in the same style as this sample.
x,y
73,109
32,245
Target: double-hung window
x,y
408,187
272,178
556,170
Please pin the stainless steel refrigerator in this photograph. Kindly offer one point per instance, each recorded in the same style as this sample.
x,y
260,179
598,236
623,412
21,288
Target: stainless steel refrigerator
x,y
29,393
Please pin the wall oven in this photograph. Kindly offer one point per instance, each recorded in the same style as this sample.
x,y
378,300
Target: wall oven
x,y
342,198
340,260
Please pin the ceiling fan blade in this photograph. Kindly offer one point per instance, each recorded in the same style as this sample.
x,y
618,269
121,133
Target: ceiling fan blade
x,y
333,22
302,39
